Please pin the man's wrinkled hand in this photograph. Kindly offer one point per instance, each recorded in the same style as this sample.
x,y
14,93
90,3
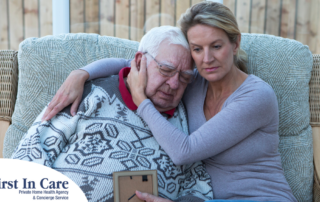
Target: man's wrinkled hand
x,y
150,198
70,92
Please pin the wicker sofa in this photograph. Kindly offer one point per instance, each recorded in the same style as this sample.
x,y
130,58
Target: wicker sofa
x,y
287,65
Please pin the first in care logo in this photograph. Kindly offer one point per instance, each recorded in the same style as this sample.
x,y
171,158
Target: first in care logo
x,y
44,184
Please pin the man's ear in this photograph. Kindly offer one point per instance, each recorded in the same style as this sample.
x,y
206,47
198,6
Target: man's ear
x,y
138,58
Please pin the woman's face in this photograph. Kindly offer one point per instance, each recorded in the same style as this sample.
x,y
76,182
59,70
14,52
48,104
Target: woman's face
x,y
212,51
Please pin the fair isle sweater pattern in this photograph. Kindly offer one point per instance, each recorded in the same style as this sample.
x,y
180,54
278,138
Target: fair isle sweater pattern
x,y
105,137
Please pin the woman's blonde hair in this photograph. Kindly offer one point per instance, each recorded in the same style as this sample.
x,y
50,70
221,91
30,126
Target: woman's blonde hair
x,y
215,15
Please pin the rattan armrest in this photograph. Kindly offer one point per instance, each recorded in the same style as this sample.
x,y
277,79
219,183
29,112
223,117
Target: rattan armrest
x,y
314,100
316,187
314,96
8,83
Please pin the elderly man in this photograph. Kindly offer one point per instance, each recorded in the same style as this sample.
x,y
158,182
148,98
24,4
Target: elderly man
x,y
106,134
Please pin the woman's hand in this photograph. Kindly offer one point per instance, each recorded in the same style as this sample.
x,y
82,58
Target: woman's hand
x,y
70,92
150,198
137,81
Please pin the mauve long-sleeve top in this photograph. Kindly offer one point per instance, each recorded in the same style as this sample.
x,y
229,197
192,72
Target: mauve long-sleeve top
x,y
239,145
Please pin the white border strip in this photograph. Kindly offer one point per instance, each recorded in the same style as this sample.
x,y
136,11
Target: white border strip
x,y
219,1
60,17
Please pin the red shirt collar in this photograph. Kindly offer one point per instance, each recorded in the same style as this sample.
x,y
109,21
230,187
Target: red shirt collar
x,y
126,96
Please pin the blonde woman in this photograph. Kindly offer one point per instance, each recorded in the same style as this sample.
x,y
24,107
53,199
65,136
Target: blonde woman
x,y
233,117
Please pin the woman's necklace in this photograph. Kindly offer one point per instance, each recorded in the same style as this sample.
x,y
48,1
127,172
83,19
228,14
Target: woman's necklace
x,y
210,110
213,107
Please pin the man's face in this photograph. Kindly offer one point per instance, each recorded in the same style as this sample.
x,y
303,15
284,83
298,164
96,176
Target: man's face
x,y
166,92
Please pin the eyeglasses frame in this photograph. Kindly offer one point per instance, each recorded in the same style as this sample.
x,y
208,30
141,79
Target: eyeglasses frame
x,y
159,65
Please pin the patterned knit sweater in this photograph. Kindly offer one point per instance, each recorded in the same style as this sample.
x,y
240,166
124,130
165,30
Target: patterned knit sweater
x,y
105,137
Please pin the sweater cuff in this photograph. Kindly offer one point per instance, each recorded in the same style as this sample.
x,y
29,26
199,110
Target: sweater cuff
x,y
144,104
87,69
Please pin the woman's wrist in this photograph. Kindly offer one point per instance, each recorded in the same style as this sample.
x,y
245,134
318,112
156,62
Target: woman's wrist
x,y
80,74
139,99
142,106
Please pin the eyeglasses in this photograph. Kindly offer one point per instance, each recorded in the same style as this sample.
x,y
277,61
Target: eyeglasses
x,y
169,71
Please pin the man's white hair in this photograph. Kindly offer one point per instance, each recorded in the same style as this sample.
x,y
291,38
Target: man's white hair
x,y
151,41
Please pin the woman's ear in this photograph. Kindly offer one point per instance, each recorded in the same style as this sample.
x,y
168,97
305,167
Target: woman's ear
x,y
237,45
138,58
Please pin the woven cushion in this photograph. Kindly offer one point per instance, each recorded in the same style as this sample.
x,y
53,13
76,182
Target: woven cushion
x,y
44,63
286,65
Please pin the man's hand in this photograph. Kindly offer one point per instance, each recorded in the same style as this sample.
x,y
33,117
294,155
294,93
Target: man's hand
x,y
150,198
70,92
